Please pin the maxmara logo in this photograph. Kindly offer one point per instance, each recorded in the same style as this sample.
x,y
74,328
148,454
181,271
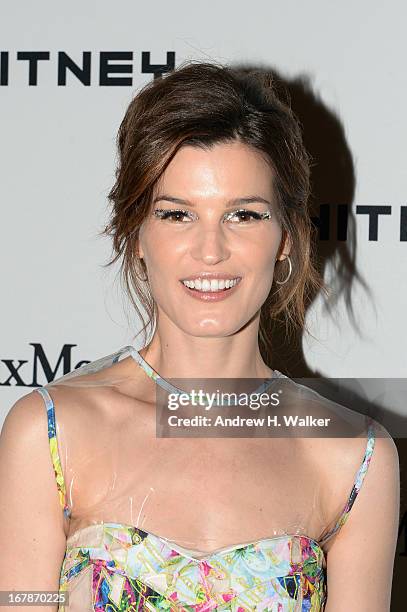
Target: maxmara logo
x,y
104,68
25,373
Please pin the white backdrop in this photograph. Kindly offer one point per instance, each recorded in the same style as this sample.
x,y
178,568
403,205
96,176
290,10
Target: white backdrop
x,y
58,157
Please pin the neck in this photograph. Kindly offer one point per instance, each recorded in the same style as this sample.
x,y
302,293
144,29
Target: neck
x,y
178,355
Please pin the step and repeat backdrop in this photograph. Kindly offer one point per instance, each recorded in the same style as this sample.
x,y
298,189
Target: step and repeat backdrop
x,y
67,74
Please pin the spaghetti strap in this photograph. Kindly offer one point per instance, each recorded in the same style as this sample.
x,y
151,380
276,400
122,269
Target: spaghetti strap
x,y
361,473
53,444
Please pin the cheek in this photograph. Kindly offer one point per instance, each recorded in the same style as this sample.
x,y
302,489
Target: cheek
x,y
262,269
263,283
260,255
157,252
261,244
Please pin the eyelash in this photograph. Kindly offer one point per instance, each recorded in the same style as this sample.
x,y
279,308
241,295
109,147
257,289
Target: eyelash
x,y
163,214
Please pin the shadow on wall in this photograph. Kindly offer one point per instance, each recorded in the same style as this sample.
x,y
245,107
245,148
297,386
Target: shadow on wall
x,y
333,188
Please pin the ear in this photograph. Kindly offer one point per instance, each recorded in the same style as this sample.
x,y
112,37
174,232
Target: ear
x,y
285,247
139,250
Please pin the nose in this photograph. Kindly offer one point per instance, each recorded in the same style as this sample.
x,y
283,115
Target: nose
x,y
210,245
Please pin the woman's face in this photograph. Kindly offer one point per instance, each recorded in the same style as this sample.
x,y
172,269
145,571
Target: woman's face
x,y
208,237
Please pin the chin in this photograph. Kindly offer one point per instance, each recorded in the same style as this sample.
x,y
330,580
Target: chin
x,y
212,329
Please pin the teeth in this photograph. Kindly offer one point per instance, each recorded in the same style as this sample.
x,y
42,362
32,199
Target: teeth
x,y
211,285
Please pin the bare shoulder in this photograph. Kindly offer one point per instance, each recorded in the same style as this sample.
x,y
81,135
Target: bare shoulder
x,y
24,440
378,452
30,508
380,492
339,445
97,395
96,407
25,419
82,403
100,416
346,465
367,540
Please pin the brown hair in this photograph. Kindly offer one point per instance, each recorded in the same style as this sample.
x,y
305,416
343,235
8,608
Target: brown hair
x,y
202,104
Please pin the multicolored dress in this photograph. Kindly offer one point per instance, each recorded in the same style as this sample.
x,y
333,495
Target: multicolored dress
x,y
119,567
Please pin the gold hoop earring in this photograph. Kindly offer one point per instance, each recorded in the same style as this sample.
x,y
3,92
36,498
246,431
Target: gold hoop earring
x,y
289,273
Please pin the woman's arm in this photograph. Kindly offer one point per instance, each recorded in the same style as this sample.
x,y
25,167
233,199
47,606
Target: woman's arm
x,y
360,558
32,537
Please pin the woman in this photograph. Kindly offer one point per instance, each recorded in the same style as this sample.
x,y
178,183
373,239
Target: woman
x,y
210,219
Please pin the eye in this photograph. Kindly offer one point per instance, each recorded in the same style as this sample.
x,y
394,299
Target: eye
x,y
239,217
174,215
244,216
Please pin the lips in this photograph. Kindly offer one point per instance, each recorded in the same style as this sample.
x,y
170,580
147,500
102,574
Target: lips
x,y
214,284
211,275
212,296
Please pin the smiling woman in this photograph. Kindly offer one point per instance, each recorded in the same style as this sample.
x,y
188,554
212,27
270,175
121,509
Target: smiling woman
x,y
220,144
210,221
212,238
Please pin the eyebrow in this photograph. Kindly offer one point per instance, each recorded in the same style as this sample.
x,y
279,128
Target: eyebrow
x,y
235,201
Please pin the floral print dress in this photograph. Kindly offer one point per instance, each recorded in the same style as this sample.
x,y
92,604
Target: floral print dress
x,y
119,567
